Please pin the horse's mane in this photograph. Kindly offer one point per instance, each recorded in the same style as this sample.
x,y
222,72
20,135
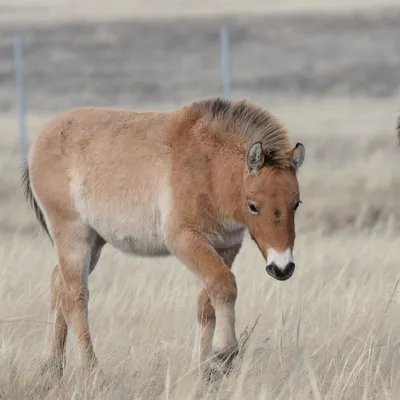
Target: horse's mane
x,y
253,123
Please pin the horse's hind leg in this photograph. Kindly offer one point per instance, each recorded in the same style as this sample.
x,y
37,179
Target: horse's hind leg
x,y
206,314
57,330
78,250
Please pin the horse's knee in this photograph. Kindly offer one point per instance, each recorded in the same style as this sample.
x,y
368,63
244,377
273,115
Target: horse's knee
x,y
74,297
71,290
223,289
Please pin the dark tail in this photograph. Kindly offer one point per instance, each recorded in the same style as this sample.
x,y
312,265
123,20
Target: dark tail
x,y
26,184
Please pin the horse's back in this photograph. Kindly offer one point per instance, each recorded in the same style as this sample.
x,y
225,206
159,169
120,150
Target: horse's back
x,y
109,168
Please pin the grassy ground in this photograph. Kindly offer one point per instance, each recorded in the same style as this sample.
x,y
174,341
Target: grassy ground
x,y
330,332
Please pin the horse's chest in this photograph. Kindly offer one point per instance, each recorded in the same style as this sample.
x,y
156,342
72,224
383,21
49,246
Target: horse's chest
x,y
229,235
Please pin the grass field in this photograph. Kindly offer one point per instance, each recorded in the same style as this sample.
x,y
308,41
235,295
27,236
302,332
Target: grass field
x,y
330,332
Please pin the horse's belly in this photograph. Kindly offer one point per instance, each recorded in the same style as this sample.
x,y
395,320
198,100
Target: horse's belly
x,y
133,223
141,236
150,246
140,231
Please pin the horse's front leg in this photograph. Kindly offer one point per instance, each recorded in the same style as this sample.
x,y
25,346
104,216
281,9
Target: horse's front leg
x,y
205,329
220,284
206,314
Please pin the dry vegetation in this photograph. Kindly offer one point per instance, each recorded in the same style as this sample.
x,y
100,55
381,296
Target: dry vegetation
x,y
331,332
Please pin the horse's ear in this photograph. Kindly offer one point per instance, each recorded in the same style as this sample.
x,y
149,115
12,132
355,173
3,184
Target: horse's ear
x,y
255,157
297,155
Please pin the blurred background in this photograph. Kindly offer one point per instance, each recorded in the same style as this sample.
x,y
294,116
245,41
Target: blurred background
x,y
329,69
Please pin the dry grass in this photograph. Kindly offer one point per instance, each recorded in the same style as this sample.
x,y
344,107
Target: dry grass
x,y
331,332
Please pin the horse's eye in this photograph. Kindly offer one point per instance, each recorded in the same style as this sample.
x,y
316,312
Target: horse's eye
x,y
253,209
296,206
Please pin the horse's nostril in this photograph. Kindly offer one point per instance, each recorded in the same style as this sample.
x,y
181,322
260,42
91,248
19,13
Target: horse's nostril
x,y
271,269
290,267
272,266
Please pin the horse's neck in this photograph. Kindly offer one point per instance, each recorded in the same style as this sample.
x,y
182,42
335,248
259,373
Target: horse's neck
x,y
228,185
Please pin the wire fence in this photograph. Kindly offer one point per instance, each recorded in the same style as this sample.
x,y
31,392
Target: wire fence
x,y
20,85
140,63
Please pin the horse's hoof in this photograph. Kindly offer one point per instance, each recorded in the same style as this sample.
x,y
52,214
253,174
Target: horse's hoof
x,y
221,363
227,355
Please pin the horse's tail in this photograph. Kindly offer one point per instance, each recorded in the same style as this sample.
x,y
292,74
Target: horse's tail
x,y
26,184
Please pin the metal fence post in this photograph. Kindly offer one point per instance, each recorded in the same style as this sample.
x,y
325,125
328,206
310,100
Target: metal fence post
x,y
19,78
225,60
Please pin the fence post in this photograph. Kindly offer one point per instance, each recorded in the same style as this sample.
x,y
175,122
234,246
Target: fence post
x,y
19,78
225,60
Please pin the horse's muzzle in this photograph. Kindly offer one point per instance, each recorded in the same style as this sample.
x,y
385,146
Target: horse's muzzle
x,y
279,274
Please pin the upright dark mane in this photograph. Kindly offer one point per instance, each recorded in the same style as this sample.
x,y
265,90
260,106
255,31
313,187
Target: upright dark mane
x,y
253,123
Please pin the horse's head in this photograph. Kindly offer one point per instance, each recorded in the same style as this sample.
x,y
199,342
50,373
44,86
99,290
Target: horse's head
x,y
271,200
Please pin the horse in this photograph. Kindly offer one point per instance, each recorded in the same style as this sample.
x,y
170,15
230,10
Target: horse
x,y
187,182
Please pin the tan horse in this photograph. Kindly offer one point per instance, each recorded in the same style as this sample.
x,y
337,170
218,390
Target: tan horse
x,y
186,182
